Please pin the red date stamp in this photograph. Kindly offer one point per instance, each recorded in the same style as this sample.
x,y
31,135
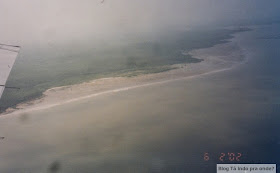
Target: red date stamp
x,y
230,156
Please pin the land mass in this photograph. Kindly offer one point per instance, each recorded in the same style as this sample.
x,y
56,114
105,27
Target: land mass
x,y
215,59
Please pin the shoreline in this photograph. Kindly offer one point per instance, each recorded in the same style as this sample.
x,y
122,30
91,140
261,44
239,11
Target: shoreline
x,y
217,58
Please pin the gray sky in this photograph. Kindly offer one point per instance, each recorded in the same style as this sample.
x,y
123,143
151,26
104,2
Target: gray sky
x,y
30,21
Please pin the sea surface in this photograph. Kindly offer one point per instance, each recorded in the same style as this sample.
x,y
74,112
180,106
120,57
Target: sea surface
x,y
180,126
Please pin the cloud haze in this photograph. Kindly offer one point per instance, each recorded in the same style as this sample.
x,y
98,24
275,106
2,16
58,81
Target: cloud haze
x,y
35,20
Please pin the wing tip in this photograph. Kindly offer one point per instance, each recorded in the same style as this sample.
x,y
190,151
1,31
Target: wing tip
x,y
9,45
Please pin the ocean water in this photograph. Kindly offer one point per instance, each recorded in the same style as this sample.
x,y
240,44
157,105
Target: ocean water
x,y
180,126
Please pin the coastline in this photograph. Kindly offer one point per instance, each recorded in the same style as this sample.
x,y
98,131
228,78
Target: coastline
x,y
218,58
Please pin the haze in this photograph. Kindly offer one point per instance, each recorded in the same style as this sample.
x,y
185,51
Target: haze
x,y
33,21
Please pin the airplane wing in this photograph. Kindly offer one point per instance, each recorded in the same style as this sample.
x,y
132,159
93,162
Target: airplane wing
x,y
8,54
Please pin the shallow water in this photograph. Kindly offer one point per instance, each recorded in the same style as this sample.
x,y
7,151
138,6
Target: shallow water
x,y
159,128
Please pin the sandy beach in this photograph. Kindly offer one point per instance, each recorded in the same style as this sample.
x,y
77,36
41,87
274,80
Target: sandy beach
x,y
218,58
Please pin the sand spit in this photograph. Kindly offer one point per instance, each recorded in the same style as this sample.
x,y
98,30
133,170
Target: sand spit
x,y
218,58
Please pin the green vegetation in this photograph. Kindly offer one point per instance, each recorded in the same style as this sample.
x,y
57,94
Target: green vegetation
x,y
40,68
